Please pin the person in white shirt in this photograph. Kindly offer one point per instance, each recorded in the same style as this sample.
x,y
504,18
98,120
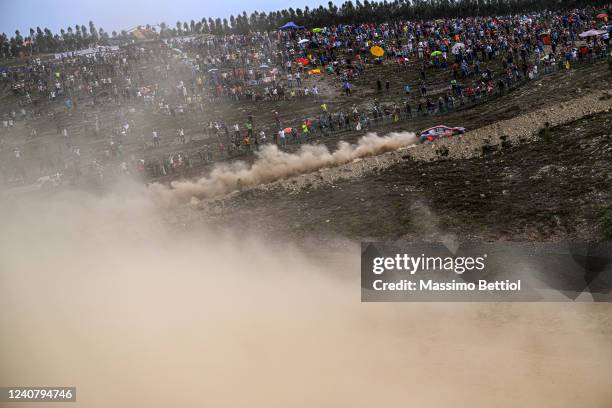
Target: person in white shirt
x,y
315,92
281,138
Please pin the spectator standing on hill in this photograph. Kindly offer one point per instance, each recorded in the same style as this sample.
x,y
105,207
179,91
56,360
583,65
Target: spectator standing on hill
x,y
282,138
347,88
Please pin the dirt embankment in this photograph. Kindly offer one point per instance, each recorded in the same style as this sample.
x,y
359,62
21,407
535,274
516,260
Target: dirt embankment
x,y
526,188
520,129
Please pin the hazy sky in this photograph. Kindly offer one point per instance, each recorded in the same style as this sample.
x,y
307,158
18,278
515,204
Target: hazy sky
x,y
125,14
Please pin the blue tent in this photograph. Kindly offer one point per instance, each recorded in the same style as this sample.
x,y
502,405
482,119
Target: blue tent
x,y
291,26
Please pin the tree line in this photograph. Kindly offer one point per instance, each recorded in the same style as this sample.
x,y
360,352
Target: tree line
x,y
78,37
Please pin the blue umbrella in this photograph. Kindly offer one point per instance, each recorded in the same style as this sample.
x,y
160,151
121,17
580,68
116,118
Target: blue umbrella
x,y
291,26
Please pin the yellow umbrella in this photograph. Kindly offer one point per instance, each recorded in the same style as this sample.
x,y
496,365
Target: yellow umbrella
x,y
317,30
377,51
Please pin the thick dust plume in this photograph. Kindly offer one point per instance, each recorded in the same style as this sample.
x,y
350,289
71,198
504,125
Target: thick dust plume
x,y
274,164
98,293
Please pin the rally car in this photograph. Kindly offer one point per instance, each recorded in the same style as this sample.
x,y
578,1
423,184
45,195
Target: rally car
x,y
439,131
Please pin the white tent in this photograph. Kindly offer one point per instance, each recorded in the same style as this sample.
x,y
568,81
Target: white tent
x,y
592,33
88,51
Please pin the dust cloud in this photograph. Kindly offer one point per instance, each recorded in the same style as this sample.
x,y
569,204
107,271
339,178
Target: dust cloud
x,y
274,164
99,293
